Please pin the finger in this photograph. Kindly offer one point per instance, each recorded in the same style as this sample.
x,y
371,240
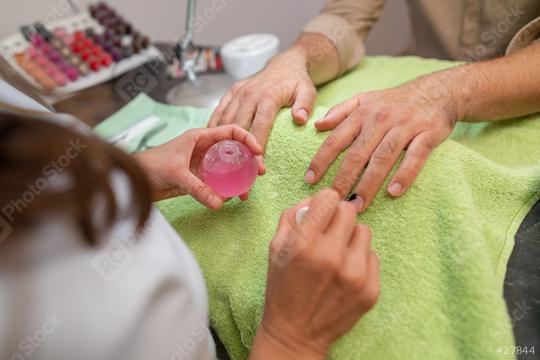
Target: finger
x,y
321,211
362,265
380,164
246,112
285,225
337,141
337,114
372,288
229,114
208,137
356,158
200,191
415,158
218,112
357,252
262,166
342,226
303,103
263,121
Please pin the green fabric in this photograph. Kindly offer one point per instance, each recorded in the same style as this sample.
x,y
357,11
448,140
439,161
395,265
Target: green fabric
x,y
443,246
178,120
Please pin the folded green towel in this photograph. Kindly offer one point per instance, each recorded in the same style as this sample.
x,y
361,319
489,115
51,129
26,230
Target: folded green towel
x,y
177,120
443,246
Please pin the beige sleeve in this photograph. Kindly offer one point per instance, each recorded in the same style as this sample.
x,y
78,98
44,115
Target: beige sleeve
x,y
529,34
346,23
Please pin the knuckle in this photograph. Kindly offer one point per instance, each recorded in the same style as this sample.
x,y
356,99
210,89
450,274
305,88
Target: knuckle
x,y
357,282
275,247
259,124
344,183
250,92
332,141
372,295
329,194
309,90
355,157
264,110
198,189
236,128
383,155
382,115
331,264
427,143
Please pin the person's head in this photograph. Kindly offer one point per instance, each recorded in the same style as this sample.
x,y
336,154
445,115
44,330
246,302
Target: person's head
x,y
47,167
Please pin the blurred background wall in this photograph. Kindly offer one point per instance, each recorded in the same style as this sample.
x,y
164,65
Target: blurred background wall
x,y
218,20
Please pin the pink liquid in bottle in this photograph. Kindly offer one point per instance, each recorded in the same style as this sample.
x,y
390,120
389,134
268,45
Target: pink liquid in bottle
x,y
229,168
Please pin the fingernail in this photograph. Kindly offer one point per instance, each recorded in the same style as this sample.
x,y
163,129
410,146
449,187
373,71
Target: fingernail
x,y
395,189
359,203
310,177
321,120
302,113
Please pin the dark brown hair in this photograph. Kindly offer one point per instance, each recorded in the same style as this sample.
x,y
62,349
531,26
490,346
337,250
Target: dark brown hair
x,y
45,166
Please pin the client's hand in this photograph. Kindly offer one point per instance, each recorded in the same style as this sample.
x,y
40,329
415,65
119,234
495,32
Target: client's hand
x,y
322,278
254,102
376,127
173,168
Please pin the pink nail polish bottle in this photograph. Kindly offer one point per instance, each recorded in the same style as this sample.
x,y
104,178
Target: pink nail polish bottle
x,y
229,168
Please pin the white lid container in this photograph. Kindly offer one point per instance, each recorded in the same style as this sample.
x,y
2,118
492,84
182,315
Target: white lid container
x,y
247,55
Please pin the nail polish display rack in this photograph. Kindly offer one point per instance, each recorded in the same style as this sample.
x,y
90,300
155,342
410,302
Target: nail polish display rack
x,y
76,52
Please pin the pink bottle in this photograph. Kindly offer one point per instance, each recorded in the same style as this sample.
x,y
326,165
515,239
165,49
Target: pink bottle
x,y
229,168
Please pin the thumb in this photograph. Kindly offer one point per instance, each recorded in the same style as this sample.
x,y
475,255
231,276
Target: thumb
x,y
303,102
201,192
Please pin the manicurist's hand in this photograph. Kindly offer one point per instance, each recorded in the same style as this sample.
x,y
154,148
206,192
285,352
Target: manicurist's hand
x,y
173,168
375,128
322,277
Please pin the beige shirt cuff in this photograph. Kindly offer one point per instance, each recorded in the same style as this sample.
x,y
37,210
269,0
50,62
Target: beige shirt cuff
x,y
525,37
349,46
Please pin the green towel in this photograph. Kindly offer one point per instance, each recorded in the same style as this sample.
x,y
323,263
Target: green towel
x,y
443,246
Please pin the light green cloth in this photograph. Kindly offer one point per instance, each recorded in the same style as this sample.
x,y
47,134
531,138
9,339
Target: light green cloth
x,y
443,246
177,119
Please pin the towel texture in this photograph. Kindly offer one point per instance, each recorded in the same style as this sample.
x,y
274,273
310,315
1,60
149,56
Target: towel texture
x,y
443,246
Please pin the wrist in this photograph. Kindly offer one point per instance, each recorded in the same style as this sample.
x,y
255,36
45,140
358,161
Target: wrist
x,y
153,174
270,344
294,56
454,83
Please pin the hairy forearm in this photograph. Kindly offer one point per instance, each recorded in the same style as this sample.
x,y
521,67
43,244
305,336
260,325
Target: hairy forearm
x,y
319,55
499,89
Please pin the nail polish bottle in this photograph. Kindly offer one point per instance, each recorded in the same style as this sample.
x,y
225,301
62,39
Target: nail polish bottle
x,y
229,168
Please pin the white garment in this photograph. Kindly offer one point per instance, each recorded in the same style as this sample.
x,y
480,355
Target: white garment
x,y
133,298
136,296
